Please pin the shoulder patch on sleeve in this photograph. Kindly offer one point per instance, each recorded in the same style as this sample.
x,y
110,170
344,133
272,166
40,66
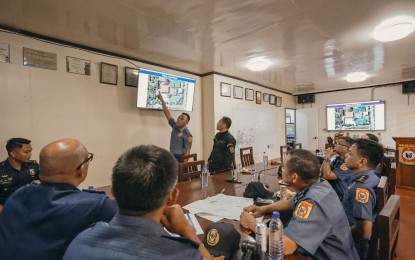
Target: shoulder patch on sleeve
x,y
303,210
361,179
190,138
362,195
343,167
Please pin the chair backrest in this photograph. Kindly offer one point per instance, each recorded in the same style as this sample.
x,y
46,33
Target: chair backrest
x,y
190,157
381,199
388,172
190,170
284,149
388,225
382,193
247,156
298,146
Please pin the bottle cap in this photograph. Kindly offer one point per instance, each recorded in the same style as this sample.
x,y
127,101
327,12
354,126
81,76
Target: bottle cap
x,y
90,187
253,170
275,214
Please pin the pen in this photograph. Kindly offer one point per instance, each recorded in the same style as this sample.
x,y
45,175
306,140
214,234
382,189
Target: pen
x,y
223,190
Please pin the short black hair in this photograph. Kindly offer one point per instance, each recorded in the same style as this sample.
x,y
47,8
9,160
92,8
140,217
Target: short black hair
x,y
305,164
188,117
348,140
372,137
371,150
16,143
142,179
227,121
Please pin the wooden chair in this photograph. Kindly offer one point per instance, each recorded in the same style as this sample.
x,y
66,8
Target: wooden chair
x,y
190,157
190,170
247,156
284,149
381,199
297,146
387,171
388,225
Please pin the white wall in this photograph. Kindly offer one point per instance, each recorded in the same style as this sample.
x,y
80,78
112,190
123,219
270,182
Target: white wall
x,y
223,106
400,115
46,105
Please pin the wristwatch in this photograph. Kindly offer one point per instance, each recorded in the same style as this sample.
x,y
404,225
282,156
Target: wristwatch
x,y
326,159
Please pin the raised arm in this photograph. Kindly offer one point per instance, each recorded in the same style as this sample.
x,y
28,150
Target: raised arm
x,y
326,171
165,108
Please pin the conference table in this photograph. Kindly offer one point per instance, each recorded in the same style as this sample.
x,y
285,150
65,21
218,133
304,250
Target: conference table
x,y
191,191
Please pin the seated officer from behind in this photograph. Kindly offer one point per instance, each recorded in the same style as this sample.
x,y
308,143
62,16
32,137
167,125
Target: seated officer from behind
x,y
17,170
319,225
336,172
143,183
359,200
39,221
223,153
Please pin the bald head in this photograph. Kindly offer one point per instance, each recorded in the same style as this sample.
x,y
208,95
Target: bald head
x,y
59,160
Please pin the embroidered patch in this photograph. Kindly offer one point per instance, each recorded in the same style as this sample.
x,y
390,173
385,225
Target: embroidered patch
x,y
180,134
362,195
213,237
190,139
32,172
304,209
343,167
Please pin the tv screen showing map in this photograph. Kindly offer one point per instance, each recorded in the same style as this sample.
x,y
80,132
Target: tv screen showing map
x,y
368,115
177,91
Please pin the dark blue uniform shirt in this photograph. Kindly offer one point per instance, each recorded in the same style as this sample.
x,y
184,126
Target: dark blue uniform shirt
x,y
130,237
319,225
180,139
221,158
343,175
12,179
39,221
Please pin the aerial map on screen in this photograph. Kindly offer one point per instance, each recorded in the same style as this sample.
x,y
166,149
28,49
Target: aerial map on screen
x,y
177,91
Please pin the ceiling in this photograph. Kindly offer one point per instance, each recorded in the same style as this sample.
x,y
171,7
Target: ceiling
x,y
312,44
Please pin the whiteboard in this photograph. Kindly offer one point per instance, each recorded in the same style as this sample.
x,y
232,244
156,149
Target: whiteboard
x,y
256,128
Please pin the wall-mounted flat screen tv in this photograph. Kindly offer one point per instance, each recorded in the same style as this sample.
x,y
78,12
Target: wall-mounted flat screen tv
x,y
177,91
363,116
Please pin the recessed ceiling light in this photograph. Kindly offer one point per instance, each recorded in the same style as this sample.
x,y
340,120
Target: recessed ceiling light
x,y
356,76
258,64
394,28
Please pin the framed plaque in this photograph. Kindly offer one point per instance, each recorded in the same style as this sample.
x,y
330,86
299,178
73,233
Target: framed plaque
x,y
4,52
238,92
278,101
265,97
78,66
39,59
249,94
272,99
109,73
258,97
131,77
225,89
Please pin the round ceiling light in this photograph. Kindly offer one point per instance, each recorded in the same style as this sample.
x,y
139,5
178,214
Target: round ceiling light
x,y
394,28
258,64
356,76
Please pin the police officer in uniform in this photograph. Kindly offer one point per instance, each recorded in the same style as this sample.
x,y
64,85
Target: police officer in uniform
x,y
181,139
17,170
359,200
223,153
336,172
39,221
319,227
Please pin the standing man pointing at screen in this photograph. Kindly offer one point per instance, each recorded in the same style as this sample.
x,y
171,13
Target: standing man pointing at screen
x,y
181,138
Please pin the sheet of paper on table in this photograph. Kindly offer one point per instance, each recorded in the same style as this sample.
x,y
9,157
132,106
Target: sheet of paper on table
x,y
221,205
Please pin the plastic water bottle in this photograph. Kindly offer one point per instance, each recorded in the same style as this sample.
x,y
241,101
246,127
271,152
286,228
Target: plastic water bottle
x,y
254,175
204,177
276,246
265,160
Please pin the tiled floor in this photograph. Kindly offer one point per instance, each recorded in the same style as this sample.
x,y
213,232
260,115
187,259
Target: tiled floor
x,y
406,243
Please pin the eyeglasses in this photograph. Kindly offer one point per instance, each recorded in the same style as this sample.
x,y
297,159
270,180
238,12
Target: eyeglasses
x,y
343,145
88,159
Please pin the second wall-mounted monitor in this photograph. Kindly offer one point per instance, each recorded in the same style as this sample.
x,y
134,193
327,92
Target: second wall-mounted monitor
x,y
177,91
368,115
